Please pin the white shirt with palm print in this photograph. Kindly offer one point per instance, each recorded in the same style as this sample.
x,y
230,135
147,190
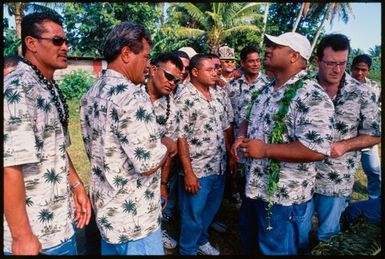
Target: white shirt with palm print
x,y
122,141
35,140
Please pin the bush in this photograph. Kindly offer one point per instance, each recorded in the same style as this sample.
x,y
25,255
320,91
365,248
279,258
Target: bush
x,y
76,83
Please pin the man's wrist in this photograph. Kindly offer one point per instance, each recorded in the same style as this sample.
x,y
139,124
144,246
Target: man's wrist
x,y
76,185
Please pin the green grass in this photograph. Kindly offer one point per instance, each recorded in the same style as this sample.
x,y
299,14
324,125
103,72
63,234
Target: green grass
x,y
228,243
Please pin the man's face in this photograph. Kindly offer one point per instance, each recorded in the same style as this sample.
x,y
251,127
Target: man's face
x,y
228,65
49,55
140,64
360,71
332,66
185,71
217,66
163,78
252,64
277,57
206,73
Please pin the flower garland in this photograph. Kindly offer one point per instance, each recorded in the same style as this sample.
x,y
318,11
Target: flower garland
x,y
276,137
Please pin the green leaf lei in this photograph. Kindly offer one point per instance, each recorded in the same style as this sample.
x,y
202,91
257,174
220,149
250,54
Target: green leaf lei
x,y
276,137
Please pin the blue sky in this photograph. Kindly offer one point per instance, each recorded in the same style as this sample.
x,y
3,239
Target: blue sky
x,y
364,31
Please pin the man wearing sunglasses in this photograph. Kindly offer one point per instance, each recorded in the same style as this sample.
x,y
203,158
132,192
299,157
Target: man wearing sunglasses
x,y
228,62
41,186
164,76
124,146
357,125
202,151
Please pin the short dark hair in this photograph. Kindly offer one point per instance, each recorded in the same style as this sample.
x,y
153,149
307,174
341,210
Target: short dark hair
x,y
247,50
124,34
212,55
196,60
11,61
32,25
181,54
338,42
363,58
168,57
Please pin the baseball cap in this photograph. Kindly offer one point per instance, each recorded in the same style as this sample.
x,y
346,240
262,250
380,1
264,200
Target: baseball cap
x,y
226,52
189,51
293,40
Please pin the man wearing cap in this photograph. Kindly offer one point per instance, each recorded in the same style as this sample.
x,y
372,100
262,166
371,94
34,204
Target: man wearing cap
x,y
357,125
287,126
227,59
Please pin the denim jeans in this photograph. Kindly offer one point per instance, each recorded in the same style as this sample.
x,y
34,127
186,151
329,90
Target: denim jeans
x,y
370,209
372,168
67,248
286,221
172,195
248,227
197,212
329,210
149,245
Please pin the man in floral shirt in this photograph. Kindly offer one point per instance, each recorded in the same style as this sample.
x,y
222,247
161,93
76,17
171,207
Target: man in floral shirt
x,y
164,76
356,126
123,143
370,159
288,127
38,172
201,148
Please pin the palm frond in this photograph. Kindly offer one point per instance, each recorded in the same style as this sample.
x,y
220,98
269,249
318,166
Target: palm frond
x,y
185,32
240,28
248,9
246,19
195,13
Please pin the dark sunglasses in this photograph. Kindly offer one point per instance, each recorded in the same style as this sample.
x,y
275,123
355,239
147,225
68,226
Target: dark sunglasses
x,y
228,61
57,41
169,76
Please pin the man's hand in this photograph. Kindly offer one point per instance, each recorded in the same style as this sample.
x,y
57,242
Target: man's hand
x,y
191,183
254,148
337,149
171,146
234,148
82,206
164,194
26,245
232,165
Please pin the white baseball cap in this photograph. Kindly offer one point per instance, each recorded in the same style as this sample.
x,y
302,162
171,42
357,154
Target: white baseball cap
x,y
293,40
189,51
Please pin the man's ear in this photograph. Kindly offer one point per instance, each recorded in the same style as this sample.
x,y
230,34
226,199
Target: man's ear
x,y
194,72
295,56
317,61
31,43
153,70
125,54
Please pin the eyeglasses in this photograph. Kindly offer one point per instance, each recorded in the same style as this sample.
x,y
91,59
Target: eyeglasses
x,y
57,40
228,61
169,76
332,64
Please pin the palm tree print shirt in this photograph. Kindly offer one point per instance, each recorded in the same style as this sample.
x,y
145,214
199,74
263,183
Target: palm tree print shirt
x,y
35,140
122,141
239,92
309,121
356,113
202,124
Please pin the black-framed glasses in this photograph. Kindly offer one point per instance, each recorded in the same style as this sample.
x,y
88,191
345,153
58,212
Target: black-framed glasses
x,y
169,76
332,64
57,40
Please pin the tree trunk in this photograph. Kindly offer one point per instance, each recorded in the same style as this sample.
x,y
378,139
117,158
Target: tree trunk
x,y
18,18
266,14
299,16
320,28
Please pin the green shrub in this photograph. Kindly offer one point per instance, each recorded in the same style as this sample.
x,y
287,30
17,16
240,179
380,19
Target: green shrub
x,y
76,83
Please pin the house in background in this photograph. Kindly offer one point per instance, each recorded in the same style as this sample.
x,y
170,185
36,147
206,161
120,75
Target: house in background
x,y
89,64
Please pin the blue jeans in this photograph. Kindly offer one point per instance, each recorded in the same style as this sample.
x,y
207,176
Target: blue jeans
x,y
67,248
248,227
329,210
149,245
172,194
370,209
372,168
286,221
197,212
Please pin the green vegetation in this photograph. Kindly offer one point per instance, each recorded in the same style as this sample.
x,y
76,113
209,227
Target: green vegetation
x,y
76,83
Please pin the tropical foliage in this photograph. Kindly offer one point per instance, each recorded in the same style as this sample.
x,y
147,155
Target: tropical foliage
x,y
76,83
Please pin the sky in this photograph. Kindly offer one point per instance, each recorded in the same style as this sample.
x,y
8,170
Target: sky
x,y
364,30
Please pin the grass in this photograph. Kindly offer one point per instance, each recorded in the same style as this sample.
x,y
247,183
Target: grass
x,y
228,243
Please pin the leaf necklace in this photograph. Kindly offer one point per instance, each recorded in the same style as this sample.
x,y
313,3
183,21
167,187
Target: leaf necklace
x,y
276,137
59,99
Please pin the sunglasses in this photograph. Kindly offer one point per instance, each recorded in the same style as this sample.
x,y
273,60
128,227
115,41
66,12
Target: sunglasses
x,y
169,76
57,41
228,61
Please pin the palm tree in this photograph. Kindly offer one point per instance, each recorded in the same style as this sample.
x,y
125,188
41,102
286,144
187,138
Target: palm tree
x,y
218,22
302,12
265,15
19,9
332,10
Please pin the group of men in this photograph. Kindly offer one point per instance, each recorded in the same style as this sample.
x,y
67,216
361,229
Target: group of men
x,y
296,138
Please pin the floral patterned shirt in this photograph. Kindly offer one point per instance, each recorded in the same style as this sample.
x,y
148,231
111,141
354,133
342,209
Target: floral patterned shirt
x,y
122,141
376,88
202,124
35,140
309,121
356,113
224,99
239,92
